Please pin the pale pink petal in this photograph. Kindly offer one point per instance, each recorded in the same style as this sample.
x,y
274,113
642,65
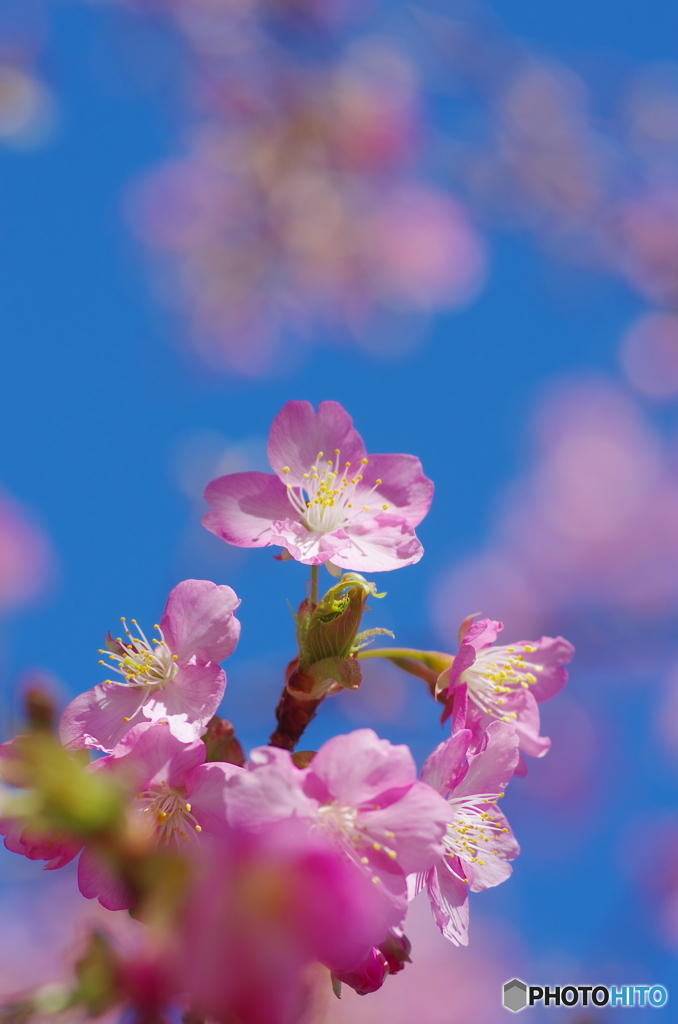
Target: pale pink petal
x,y
99,718
205,788
298,435
245,507
412,826
307,546
199,620
492,769
189,701
551,654
527,723
449,902
150,754
359,768
379,545
446,766
98,879
491,868
268,791
403,486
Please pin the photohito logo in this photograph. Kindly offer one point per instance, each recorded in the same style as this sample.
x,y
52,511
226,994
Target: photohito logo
x,y
518,995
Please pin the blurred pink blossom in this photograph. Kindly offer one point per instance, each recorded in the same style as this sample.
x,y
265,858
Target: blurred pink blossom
x,y
295,208
649,355
26,556
592,524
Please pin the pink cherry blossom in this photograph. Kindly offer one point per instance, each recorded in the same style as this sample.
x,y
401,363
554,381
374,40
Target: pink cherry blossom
x,y
176,677
327,500
486,683
478,842
362,795
178,797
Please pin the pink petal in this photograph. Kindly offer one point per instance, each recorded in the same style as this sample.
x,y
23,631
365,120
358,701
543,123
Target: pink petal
x,y
480,634
446,766
245,507
206,792
298,434
551,654
449,903
97,878
150,754
198,620
403,486
99,718
379,545
491,770
359,768
191,699
307,546
527,723
418,822
494,870
268,791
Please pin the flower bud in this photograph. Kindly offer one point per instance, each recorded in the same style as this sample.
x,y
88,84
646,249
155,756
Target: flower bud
x,y
329,638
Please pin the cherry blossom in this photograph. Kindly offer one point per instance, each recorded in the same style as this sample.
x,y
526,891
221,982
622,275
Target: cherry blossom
x,y
175,677
487,683
478,841
361,794
327,500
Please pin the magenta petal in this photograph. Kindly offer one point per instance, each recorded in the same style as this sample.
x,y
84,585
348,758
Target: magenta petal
x,y
368,976
298,435
97,879
198,620
357,768
379,545
99,718
192,698
449,903
480,634
206,792
403,486
245,507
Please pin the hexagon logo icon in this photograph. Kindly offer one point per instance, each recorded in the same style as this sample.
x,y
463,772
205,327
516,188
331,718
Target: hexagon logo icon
x,y
515,995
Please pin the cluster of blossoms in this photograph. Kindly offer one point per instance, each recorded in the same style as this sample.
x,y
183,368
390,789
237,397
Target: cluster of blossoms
x,y
248,872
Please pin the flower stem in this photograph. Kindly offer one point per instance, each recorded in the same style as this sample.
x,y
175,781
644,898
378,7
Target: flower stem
x,y
315,577
426,665
435,660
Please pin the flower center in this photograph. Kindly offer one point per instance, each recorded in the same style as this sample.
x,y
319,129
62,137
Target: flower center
x,y
472,831
331,497
168,814
346,831
340,821
139,662
498,672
